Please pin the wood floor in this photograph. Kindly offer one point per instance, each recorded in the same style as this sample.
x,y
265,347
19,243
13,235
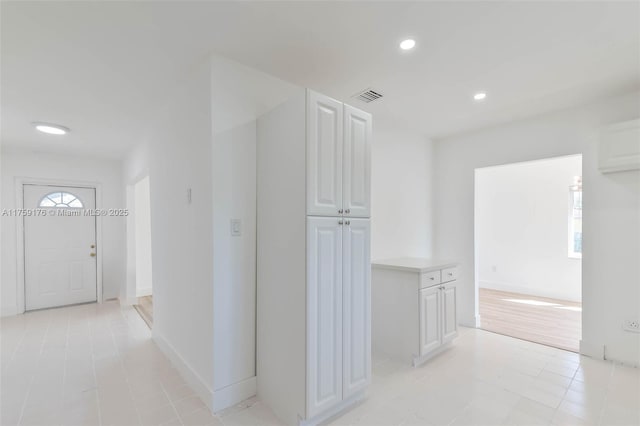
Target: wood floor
x,y
551,322
145,309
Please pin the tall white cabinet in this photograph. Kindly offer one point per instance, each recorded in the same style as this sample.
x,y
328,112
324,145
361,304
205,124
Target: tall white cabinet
x,y
314,266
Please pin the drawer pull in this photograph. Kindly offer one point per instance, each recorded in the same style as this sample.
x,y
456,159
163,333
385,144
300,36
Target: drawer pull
x,y
432,278
450,274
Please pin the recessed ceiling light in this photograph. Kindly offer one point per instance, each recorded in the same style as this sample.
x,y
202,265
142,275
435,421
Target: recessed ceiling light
x,y
407,44
52,129
479,96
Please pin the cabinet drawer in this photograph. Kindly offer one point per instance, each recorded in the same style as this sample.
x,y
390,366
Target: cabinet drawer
x,y
449,274
430,278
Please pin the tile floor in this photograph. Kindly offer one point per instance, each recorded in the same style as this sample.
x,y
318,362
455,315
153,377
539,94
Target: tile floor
x,y
97,365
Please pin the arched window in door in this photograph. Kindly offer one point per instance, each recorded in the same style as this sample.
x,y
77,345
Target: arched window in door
x,y
61,200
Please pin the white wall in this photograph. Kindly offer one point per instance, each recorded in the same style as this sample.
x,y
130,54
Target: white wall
x,y
234,261
142,218
176,154
135,166
611,222
197,276
522,228
66,168
401,191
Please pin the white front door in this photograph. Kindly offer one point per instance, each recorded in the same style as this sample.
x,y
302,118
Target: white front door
x,y
59,245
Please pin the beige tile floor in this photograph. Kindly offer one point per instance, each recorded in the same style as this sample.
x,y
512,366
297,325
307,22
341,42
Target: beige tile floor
x,y
97,365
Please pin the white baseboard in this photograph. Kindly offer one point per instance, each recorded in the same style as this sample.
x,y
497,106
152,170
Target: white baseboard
x,y
493,285
337,410
591,350
8,311
141,292
129,301
191,377
478,321
234,394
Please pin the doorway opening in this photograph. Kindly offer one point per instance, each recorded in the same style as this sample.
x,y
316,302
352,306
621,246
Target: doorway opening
x,y
142,235
528,250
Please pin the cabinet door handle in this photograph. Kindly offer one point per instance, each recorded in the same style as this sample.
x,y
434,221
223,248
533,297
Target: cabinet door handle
x,y
348,222
432,278
340,211
340,222
347,211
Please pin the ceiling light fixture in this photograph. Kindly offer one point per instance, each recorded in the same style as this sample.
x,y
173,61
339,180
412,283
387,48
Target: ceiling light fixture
x,y
407,44
51,129
479,96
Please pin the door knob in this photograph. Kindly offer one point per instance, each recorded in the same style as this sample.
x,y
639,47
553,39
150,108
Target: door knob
x,y
93,246
92,255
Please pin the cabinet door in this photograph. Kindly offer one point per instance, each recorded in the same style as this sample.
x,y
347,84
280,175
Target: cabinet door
x,y
324,314
449,314
324,155
430,329
357,162
356,290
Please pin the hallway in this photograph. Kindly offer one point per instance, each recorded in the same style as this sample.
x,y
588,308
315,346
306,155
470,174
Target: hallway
x,y
97,365
90,365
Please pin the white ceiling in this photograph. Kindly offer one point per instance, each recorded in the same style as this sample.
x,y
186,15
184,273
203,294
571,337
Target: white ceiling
x,y
101,68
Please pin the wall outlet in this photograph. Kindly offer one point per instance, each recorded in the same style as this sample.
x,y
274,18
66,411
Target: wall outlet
x,y
631,325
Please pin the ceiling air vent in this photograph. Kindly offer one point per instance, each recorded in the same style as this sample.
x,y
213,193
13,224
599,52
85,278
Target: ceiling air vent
x,y
368,96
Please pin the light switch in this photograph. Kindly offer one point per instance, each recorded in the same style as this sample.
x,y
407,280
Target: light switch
x,y
236,227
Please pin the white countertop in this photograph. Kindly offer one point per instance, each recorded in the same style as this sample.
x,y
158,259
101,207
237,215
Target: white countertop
x,y
413,264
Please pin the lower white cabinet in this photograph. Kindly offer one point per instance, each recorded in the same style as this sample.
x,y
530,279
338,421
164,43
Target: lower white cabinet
x,y
438,324
356,307
448,297
430,320
338,311
414,303
324,314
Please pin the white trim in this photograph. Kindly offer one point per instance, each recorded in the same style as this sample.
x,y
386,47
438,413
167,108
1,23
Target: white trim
x,y
233,394
511,288
8,311
335,411
197,383
130,301
419,360
20,181
141,292
592,350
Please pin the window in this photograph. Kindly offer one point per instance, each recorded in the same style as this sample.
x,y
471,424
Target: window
x,y
61,199
575,218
